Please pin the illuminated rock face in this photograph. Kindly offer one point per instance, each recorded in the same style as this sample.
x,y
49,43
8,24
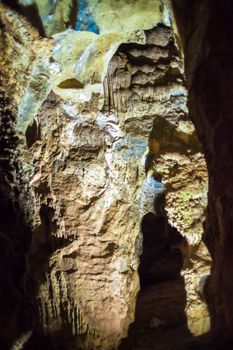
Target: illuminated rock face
x,y
104,130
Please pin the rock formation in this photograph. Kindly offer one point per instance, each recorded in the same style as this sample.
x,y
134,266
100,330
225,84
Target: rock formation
x,y
96,135
206,29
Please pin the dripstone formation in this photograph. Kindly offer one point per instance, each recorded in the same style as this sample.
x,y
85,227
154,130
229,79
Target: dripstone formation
x,y
98,150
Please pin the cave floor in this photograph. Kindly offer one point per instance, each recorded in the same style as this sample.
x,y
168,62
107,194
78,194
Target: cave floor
x,y
160,321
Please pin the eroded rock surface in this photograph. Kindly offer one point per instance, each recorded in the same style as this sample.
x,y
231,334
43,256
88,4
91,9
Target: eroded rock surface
x,y
104,131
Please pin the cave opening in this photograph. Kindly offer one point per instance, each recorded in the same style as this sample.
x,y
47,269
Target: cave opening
x,y
160,318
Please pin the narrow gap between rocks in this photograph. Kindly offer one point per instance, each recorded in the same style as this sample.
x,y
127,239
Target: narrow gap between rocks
x,y
160,319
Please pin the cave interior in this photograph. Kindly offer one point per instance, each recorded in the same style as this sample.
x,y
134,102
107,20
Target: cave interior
x,y
116,221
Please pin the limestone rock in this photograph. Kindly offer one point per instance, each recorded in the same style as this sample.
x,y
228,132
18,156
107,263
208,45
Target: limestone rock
x,y
104,131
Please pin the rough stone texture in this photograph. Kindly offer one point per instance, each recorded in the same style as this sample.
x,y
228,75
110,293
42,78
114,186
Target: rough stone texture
x,y
177,160
206,30
99,137
17,42
48,17
110,16
86,208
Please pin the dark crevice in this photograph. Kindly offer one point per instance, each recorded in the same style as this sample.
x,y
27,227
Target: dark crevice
x,y
160,309
15,233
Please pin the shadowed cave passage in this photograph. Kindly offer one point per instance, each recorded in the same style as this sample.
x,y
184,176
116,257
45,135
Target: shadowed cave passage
x,y
15,232
160,321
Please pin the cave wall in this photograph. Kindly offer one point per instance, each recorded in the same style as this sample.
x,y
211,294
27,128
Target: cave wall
x,y
103,128
15,233
206,31
17,209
